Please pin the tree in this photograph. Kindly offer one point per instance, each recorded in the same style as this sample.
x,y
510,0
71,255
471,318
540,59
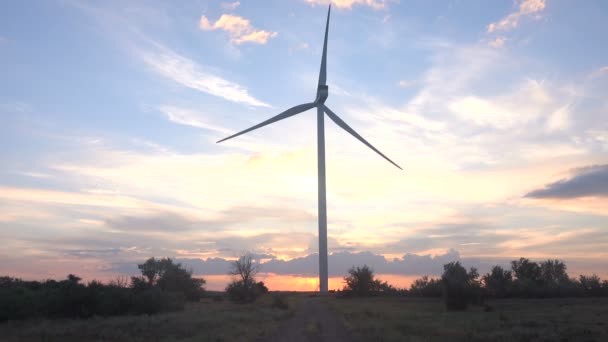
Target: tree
x,y
524,269
528,279
177,279
361,282
498,282
153,269
553,272
460,286
426,287
244,288
168,276
591,285
245,268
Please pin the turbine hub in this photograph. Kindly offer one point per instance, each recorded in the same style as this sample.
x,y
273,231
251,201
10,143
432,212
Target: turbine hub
x,y
322,93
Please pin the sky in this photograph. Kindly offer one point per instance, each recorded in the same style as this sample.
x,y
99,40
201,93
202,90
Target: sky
x,y
110,111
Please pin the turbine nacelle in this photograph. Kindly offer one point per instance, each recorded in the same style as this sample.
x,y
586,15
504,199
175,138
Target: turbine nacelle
x,y
322,94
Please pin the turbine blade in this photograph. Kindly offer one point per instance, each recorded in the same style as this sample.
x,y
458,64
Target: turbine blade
x,y
290,112
347,128
323,72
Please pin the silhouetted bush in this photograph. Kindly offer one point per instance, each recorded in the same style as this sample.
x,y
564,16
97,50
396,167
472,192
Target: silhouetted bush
x,y
279,301
361,282
155,300
426,287
169,277
245,289
245,292
70,298
525,279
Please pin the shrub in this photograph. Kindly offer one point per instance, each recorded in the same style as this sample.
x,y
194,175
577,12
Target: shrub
x,y
280,302
426,287
165,287
245,289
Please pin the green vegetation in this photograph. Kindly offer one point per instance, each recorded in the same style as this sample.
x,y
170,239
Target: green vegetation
x,y
426,319
164,286
528,279
207,320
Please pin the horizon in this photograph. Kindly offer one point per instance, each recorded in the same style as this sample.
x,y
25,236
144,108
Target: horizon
x,y
497,115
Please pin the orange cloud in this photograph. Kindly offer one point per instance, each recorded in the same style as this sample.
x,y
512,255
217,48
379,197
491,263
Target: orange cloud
x,y
238,28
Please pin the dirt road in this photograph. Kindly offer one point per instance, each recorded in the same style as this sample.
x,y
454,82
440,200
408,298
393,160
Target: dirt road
x,y
313,321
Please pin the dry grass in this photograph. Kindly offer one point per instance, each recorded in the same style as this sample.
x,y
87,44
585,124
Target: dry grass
x,y
414,319
208,320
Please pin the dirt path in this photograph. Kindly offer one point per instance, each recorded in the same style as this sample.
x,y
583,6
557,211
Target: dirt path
x,y
313,321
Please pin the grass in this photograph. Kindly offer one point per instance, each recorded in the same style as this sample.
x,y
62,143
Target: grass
x,y
209,320
417,319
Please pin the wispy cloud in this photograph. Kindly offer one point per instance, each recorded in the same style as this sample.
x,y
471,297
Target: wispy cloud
x,y
498,42
230,6
192,75
188,117
238,28
375,4
405,83
526,8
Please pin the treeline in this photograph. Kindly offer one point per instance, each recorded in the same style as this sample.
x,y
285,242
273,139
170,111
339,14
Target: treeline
x,y
163,286
525,278
459,286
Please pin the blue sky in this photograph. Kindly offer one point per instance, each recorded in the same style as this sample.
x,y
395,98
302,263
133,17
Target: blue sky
x,y
110,112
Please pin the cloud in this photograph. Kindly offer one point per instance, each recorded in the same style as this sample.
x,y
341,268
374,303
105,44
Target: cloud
x,y
498,42
526,8
585,181
230,6
189,74
375,4
238,28
599,72
188,117
405,83
525,104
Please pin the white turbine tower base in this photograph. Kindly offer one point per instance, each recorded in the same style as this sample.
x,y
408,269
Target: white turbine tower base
x,y
322,93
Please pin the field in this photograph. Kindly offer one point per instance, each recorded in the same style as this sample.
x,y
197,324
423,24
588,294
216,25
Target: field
x,y
208,320
417,319
320,318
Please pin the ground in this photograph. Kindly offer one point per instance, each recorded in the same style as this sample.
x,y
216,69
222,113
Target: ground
x,y
418,319
209,320
326,318
313,321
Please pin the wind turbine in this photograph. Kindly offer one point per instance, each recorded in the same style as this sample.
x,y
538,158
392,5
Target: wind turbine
x,y
319,102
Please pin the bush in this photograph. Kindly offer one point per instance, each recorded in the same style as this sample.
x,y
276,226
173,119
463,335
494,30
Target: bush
x,y
154,301
165,287
245,289
280,302
425,287
245,292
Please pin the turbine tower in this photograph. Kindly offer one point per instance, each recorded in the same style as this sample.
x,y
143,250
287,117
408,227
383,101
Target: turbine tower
x,y
319,103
